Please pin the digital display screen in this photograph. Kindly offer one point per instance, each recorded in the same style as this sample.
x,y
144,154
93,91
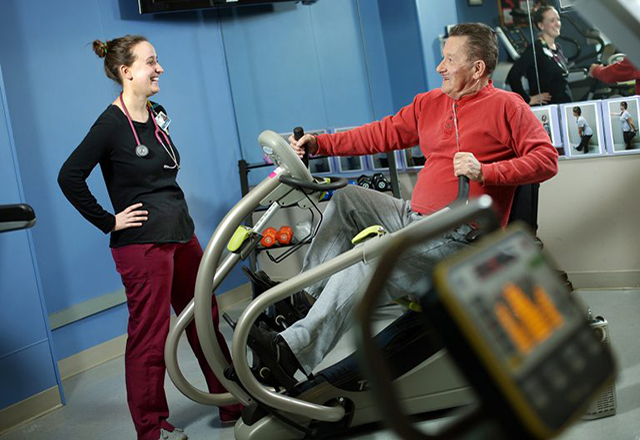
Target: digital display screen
x,y
489,267
527,317
515,299
523,329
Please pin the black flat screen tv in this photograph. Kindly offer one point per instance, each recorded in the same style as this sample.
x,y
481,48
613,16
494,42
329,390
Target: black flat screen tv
x,y
156,6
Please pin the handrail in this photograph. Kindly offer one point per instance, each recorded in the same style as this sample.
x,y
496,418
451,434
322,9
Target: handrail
x,y
16,216
369,251
371,359
206,283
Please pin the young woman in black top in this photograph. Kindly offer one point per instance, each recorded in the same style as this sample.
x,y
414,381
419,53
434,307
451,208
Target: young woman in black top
x,y
551,63
152,235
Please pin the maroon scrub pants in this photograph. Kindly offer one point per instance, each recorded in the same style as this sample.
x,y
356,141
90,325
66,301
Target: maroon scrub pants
x,y
157,277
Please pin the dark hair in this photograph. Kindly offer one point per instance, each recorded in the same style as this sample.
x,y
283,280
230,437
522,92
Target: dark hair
x,y
117,52
538,15
624,104
482,43
577,110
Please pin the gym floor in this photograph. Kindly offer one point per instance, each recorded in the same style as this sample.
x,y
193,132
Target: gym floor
x,y
96,402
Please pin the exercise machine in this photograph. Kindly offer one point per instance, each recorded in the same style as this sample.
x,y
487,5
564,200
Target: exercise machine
x,y
520,338
336,398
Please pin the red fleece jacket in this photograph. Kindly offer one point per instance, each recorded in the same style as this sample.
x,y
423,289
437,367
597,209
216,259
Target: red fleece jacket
x,y
621,71
498,127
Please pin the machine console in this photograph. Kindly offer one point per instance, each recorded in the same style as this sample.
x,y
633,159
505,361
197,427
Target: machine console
x,y
517,322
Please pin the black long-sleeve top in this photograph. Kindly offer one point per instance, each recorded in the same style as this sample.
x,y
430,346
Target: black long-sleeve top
x,y
129,179
553,71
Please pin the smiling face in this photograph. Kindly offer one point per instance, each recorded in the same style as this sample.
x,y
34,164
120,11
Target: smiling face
x,y
550,24
460,76
142,76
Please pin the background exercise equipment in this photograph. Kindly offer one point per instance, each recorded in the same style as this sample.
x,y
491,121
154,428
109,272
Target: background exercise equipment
x,y
15,217
521,339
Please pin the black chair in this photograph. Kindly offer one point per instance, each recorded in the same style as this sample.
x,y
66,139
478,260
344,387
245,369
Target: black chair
x,y
525,209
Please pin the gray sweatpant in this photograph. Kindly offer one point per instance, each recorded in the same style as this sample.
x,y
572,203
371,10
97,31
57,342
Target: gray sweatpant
x,y
351,210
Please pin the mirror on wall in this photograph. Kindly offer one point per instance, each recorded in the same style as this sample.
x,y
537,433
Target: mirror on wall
x,y
562,74
566,45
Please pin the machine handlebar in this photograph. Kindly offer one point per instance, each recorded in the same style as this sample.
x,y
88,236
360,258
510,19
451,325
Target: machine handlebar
x,y
335,183
298,132
463,190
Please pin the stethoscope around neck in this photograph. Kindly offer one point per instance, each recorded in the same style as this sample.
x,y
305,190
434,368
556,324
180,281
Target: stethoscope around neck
x,y
141,149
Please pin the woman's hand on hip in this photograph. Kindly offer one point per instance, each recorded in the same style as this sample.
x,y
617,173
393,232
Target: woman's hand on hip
x,y
541,98
130,217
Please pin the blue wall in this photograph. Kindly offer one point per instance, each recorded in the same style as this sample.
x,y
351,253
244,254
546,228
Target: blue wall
x,y
228,75
486,13
288,67
404,48
27,365
432,24
56,88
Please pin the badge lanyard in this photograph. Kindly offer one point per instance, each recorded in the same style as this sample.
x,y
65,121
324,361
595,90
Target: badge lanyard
x,y
555,56
142,150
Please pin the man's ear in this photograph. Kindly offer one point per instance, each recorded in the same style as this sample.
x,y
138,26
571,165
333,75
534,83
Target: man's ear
x,y
479,69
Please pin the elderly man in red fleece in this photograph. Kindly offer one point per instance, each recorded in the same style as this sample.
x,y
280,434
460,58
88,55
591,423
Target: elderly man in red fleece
x,y
466,127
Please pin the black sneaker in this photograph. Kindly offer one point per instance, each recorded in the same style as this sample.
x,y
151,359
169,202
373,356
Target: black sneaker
x,y
283,313
274,354
259,280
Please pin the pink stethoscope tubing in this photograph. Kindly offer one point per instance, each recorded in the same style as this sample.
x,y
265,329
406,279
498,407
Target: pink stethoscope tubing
x,y
156,132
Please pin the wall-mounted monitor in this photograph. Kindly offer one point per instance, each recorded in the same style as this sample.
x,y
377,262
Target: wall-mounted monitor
x,y
413,158
156,6
349,164
380,161
320,165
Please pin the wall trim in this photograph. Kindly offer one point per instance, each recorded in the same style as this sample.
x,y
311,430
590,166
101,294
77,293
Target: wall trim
x,y
610,279
101,353
92,357
29,409
87,308
234,297
49,400
101,303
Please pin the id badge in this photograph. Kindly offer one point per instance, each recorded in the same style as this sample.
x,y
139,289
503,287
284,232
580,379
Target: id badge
x,y
163,121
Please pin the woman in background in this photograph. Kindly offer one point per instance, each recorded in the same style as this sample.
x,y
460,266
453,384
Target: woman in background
x,y
152,236
584,131
552,65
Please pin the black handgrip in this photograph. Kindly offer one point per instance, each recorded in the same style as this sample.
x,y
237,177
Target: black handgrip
x,y
463,189
335,183
19,216
298,132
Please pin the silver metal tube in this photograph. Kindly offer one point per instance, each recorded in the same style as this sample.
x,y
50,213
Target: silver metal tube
x,y
205,280
173,339
180,324
370,357
371,249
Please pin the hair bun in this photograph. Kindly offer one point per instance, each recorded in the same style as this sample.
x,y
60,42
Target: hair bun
x,y
100,48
